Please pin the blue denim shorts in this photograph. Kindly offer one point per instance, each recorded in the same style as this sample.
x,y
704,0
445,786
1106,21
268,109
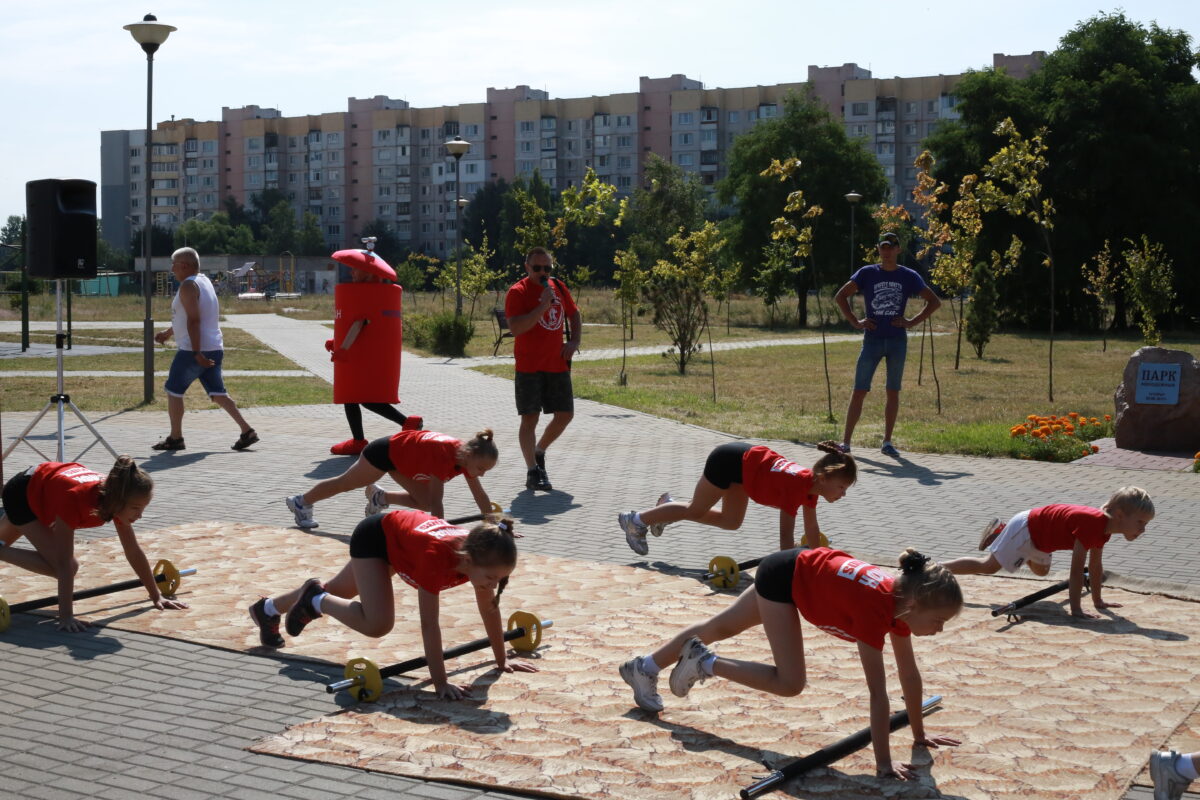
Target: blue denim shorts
x,y
185,371
874,348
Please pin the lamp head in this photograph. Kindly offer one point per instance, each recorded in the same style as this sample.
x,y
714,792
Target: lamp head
x,y
853,197
457,147
150,33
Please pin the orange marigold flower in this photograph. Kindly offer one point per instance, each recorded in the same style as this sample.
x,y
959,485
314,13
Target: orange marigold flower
x,y
1056,428
1073,414
1095,449
1095,421
1108,417
1054,416
1031,417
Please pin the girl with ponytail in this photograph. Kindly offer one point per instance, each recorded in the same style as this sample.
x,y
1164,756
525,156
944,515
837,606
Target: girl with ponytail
x,y
845,597
427,553
738,472
46,504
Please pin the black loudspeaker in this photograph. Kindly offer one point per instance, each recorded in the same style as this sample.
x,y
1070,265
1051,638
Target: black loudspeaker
x,y
60,215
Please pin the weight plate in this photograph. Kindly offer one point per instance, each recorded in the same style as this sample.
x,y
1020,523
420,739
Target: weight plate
x,y
370,682
5,615
533,631
724,571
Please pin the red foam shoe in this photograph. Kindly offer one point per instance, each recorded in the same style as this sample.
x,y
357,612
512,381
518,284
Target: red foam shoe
x,y
413,423
350,447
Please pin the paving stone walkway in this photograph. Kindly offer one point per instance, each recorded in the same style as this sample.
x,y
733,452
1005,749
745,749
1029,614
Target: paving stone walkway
x,y
115,715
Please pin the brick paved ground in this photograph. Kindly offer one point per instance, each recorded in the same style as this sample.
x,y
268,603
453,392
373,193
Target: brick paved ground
x,y
117,714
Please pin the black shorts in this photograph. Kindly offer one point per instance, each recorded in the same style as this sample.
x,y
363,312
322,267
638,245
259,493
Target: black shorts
x,y
369,539
15,500
377,454
544,392
724,464
773,580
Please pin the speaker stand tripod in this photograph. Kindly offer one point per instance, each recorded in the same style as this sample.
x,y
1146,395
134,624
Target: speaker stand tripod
x,y
61,400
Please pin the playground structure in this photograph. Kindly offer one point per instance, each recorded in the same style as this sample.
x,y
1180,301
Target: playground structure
x,y
251,281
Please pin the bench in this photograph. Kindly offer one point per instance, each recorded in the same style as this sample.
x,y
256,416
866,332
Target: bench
x,y
501,322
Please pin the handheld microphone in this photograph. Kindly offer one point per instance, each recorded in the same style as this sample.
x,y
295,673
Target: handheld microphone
x,y
544,280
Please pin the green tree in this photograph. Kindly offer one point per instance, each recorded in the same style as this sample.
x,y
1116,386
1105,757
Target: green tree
x,y
12,233
279,231
107,257
242,242
833,164
309,241
1100,274
675,290
1149,279
387,244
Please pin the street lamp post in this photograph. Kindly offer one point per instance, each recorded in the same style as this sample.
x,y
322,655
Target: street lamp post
x,y
852,198
458,148
149,33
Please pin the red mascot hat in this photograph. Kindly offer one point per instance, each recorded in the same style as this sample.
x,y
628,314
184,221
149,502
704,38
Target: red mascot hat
x,y
367,261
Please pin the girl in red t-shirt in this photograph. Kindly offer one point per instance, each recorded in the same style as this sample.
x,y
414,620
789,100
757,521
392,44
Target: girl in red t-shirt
x,y
428,554
420,461
843,596
738,472
46,504
1031,537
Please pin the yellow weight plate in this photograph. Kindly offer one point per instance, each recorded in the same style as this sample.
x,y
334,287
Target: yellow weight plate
x,y
170,577
496,509
724,571
5,615
370,682
824,540
533,631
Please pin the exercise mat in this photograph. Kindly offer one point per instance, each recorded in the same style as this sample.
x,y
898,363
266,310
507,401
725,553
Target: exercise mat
x,y
1051,707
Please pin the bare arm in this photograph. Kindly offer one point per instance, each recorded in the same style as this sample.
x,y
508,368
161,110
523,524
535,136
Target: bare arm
x,y
522,323
932,304
842,298
812,531
431,637
872,664
141,566
911,686
437,490
571,347
481,496
1096,577
64,564
490,614
787,531
1075,585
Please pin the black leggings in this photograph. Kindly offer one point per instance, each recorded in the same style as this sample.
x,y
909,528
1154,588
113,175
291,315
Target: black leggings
x,y
354,416
773,580
724,464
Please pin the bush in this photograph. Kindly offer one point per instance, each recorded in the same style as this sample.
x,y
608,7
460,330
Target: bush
x,y
442,333
1056,438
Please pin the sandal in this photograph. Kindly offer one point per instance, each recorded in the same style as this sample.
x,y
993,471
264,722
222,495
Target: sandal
x,y
245,440
170,444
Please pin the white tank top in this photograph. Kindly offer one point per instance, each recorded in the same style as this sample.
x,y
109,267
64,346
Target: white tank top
x,y
210,328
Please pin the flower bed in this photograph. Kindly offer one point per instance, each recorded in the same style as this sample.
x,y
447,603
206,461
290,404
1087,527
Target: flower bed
x,y
1055,438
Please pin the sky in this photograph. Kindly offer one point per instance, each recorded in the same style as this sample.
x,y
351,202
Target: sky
x,y
69,71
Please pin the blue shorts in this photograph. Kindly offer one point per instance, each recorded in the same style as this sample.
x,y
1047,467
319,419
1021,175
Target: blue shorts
x,y
874,348
185,370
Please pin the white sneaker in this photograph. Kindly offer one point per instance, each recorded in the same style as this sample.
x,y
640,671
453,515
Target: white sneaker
x,y
303,513
635,534
657,528
645,687
688,671
376,499
1168,783
990,532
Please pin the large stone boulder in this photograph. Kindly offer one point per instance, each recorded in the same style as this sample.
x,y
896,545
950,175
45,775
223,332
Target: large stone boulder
x,y
1155,426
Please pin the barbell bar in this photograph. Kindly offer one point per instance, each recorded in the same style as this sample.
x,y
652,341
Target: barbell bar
x,y
827,755
524,633
724,572
165,574
1010,609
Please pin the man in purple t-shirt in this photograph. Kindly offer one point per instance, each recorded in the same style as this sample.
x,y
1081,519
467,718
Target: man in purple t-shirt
x,y
885,287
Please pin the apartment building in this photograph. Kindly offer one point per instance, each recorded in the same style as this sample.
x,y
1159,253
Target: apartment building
x,y
381,159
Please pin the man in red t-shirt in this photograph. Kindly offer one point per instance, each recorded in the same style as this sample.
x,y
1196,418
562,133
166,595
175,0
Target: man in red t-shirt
x,y
537,306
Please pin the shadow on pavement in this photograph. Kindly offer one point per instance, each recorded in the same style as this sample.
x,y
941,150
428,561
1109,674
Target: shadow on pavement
x,y
39,633
901,467
534,508
1051,613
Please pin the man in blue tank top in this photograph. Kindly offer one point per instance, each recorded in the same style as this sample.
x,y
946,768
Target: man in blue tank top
x,y
195,324
885,287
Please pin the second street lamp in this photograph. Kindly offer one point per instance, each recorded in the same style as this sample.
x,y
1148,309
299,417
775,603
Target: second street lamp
x,y
458,148
852,198
149,33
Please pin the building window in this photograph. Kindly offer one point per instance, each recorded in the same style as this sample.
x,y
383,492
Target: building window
x,y
549,164
333,139
624,120
858,130
708,135
470,130
624,162
136,169
550,143
685,159
910,129
208,146
686,117
625,142
734,116
253,162
333,211
767,110
951,100
751,115
624,181
526,126
314,137
549,123
709,157
254,143
858,109
684,138
931,106
333,175
383,135
470,168
910,107
885,148
333,230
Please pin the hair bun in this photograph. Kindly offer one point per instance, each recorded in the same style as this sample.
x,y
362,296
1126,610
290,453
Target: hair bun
x,y
913,563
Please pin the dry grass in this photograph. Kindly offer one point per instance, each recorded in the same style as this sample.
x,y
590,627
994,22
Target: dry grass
x,y
780,392
124,394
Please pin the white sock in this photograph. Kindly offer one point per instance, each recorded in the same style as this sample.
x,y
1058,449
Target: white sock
x,y
650,667
706,663
637,519
1185,767
316,601
269,608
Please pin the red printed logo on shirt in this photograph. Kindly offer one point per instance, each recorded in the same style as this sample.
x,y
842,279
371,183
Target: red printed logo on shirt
x,y
81,475
783,465
867,574
552,319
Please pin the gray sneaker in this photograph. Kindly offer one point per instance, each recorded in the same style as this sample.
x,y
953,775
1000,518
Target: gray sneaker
x,y
688,671
657,528
376,500
645,687
990,532
635,534
1168,783
303,513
